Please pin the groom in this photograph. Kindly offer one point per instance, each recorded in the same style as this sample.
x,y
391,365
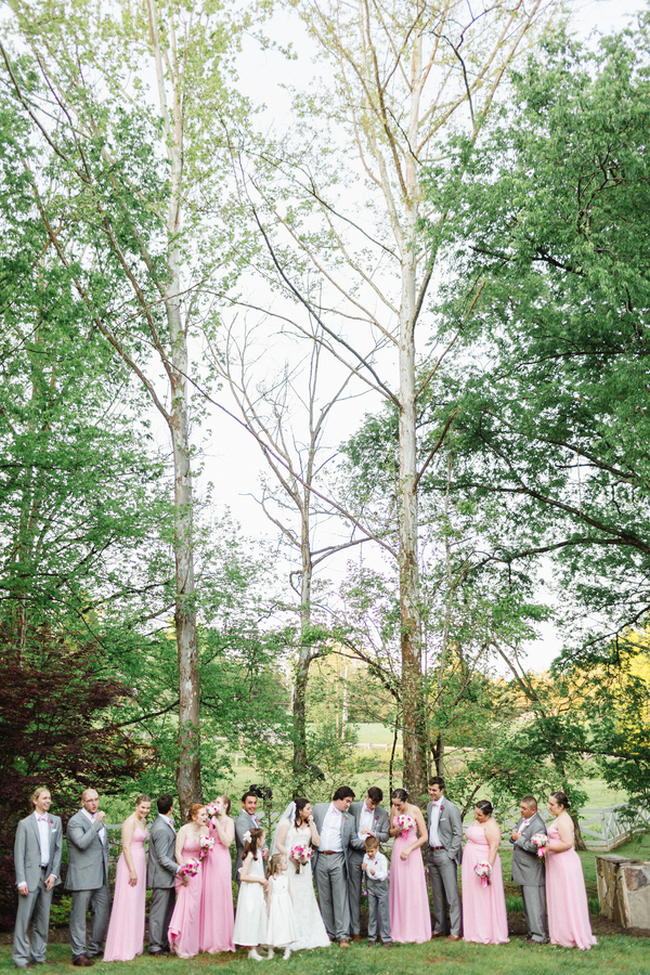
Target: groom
x,y
529,870
334,826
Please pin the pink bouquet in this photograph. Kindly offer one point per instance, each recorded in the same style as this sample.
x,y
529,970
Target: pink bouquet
x,y
206,843
483,870
300,854
190,869
404,822
540,840
213,808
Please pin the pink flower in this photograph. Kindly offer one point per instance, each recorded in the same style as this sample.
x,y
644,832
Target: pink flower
x,y
540,840
483,870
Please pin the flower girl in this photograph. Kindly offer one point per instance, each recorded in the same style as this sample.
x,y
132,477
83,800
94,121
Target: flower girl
x,y
281,931
251,919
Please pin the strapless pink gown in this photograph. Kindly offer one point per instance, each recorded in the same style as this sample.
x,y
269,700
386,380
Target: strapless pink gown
x,y
184,928
408,901
125,937
484,908
217,913
566,898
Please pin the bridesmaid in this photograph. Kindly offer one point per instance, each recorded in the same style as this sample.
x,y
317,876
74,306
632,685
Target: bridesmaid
x,y
217,914
184,927
125,938
568,913
408,901
484,902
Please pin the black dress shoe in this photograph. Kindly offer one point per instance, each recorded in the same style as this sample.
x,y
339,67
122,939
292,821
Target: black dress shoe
x,y
82,961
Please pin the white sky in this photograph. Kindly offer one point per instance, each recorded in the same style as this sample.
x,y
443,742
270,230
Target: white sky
x,y
232,460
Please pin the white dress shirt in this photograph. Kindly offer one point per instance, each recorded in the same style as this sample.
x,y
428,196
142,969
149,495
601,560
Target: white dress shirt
x,y
434,819
102,831
330,837
43,837
377,868
366,821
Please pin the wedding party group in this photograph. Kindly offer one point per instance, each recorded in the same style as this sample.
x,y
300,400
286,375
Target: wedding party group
x,y
304,890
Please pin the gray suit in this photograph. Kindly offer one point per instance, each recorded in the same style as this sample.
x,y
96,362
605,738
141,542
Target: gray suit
x,y
87,878
356,851
529,871
161,872
34,908
243,823
443,868
331,876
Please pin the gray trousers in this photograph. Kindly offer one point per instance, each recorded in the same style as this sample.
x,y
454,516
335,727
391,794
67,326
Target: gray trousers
x,y
33,910
443,874
160,914
99,902
378,914
355,875
535,907
332,887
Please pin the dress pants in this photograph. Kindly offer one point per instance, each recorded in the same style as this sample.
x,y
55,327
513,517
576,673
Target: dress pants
x,y
332,885
378,913
99,902
33,909
443,873
160,914
534,898
355,875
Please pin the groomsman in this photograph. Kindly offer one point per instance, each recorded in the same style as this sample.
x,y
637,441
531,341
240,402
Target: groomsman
x,y
445,834
161,873
246,820
87,879
335,827
369,819
37,860
528,869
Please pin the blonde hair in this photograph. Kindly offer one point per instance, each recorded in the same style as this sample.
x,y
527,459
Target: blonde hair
x,y
36,793
275,864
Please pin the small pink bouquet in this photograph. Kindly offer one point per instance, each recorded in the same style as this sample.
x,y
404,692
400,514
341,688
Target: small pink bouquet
x,y
483,870
300,854
540,840
213,808
206,843
405,822
190,869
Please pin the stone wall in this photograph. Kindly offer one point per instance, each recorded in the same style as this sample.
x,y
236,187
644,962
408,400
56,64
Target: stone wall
x,y
624,890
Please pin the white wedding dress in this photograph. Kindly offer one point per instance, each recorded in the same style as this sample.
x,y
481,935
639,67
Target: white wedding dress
x,y
310,929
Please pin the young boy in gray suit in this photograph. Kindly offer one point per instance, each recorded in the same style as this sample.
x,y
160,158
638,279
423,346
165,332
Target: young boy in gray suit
x,y
375,868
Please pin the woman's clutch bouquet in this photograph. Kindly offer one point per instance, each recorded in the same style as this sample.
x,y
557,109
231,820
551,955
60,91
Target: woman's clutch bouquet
x,y
483,870
190,868
540,840
206,843
213,808
300,854
404,822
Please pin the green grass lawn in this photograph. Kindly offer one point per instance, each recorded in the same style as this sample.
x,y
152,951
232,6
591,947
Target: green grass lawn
x,y
613,954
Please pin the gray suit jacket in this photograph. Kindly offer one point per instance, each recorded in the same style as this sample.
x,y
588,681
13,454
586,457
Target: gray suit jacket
x,y
319,812
27,851
87,855
161,865
243,823
450,828
527,868
379,826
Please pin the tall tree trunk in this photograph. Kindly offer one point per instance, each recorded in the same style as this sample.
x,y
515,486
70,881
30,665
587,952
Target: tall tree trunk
x,y
305,657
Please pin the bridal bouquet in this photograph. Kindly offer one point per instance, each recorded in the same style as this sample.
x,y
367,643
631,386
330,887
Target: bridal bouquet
x,y
300,854
190,869
404,822
206,843
483,870
540,840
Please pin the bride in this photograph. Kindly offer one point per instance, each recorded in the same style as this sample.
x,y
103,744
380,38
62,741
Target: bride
x,y
297,829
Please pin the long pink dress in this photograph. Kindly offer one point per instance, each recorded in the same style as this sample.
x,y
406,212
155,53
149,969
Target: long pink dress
x,y
125,937
217,913
484,907
566,898
183,932
408,901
